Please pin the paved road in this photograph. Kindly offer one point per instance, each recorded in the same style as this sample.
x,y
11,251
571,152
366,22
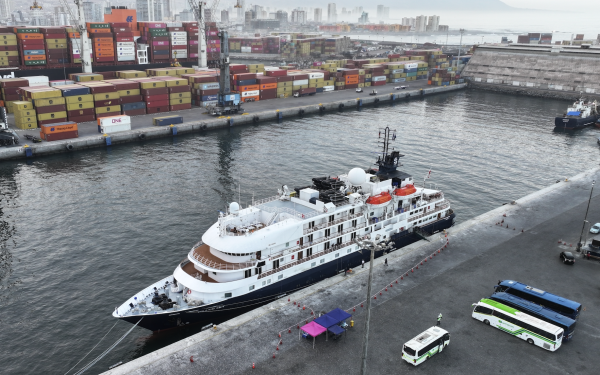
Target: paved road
x,y
196,113
480,254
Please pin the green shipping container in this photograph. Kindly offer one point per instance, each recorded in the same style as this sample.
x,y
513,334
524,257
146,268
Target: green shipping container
x,y
36,62
162,33
99,26
27,30
154,31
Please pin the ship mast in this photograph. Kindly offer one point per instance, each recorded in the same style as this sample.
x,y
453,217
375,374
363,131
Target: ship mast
x,y
387,160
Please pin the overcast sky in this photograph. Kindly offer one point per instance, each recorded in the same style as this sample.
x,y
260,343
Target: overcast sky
x,y
575,6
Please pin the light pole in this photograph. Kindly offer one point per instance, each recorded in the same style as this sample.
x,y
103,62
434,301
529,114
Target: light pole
x,y
371,246
459,45
585,218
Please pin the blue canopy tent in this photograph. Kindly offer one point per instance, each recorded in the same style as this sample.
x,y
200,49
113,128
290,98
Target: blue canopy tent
x,y
339,315
336,330
326,321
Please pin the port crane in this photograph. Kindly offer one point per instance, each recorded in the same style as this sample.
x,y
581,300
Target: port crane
x,y
227,103
198,12
84,45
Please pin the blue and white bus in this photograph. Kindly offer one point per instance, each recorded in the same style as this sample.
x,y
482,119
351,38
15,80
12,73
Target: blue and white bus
x,y
537,311
563,306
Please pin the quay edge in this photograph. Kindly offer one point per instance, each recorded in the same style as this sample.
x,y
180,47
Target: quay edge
x,y
470,233
152,132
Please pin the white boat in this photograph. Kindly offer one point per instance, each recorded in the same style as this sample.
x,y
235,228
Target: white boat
x,y
278,245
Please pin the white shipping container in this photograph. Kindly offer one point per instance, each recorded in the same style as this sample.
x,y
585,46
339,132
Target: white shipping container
x,y
125,49
316,75
178,33
328,88
113,128
38,80
179,54
115,120
378,78
206,104
246,49
250,93
411,65
178,38
179,42
125,44
125,58
174,24
300,82
397,71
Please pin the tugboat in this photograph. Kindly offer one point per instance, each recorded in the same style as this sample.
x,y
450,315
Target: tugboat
x,y
278,245
582,113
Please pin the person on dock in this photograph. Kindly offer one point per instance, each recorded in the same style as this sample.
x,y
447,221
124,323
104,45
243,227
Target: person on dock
x,y
439,320
386,262
363,263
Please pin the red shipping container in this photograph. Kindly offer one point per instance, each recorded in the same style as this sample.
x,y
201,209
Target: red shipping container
x,y
285,79
119,24
160,48
11,98
104,59
99,115
33,44
264,80
11,91
155,91
58,136
126,34
135,112
124,39
205,79
158,109
351,86
176,89
129,85
52,121
179,107
85,118
268,94
121,29
378,83
207,92
15,83
51,108
131,99
52,37
80,112
157,103
154,98
244,76
175,29
102,89
178,47
8,48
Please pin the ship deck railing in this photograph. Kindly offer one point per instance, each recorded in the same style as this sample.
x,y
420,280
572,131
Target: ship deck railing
x,y
332,223
308,258
201,253
438,207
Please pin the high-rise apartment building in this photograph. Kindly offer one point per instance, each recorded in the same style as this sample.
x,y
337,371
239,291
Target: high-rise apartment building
x,y
60,17
408,21
433,23
240,11
298,16
282,17
331,12
5,8
420,23
93,12
224,16
318,15
364,18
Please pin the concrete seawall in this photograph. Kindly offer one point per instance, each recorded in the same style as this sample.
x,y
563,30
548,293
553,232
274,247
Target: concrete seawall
x,y
481,249
137,135
561,72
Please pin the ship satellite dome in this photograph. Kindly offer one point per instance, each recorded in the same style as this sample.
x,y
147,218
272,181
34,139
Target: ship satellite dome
x,y
234,208
357,176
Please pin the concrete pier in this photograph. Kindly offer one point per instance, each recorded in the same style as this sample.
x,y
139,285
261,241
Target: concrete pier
x,y
520,240
195,120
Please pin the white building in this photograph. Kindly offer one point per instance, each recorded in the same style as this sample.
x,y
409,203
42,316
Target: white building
x,y
383,12
318,15
93,12
331,12
421,23
61,17
240,11
152,10
5,8
298,16
433,24
408,21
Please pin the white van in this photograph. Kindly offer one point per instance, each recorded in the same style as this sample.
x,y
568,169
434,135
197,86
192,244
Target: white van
x,y
425,345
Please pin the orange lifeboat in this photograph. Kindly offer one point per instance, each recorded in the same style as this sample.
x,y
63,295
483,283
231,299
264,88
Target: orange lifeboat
x,y
379,198
406,190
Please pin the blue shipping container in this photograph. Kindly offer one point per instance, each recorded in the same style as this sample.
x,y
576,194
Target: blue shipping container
x,y
210,86
34,52
161,52
209,98
246,82
75,91
168,120
132,106
319,89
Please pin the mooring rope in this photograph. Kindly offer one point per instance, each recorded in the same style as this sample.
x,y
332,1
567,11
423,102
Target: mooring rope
x,y
88,353
92,363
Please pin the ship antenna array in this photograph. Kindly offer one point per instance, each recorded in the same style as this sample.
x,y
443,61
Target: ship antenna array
x,y
388,135
84,44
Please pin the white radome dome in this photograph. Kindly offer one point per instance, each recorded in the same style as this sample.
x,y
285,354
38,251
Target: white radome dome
x,y
357,176
234,208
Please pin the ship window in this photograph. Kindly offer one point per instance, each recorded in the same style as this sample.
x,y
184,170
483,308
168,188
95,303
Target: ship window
x,y
269,281
322,260
214,273
372,213
352,211
337,255
251,287
313,264
280,277
349,250
264,283
227,295
287,244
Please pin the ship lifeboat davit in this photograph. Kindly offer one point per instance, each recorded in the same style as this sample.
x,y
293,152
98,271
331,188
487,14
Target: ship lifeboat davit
x,y
379,199
406,190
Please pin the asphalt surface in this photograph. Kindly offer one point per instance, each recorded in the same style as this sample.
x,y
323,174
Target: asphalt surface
x,y
198,113
480,253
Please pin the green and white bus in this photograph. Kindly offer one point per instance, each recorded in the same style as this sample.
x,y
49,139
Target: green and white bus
x,y
531,329
425,345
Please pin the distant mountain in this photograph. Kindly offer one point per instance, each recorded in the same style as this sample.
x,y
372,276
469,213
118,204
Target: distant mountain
x,y
394,5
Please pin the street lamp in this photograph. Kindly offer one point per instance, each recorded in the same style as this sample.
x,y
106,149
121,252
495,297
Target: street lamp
x,y
585,218
371,246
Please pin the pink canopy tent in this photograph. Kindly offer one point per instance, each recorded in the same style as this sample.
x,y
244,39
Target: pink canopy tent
x,y
313,329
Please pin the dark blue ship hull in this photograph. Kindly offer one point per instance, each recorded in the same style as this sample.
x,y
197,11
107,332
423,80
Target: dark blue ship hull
x,y
571,122
223,311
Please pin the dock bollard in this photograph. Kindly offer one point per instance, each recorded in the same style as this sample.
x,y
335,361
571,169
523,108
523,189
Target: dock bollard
x,y
107,140
173,129
392,97
28,151
230,121
279,115
358,102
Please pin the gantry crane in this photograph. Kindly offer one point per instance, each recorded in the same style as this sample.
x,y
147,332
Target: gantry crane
x,y
197,9
84,45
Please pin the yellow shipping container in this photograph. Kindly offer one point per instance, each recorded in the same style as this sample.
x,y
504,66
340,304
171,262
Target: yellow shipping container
x,y
106,96
181,71
9,53
281,90
133,74
90,77
180,101
129,92
80,99
176,82
48,102
22,105
82,105
361,85
157,72
46,94
284,95
367,84
26,125
20,113
110,108
53,115
179,95
153,84
285,84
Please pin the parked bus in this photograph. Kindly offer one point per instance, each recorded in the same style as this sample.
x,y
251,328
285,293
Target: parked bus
x,y
425,345
563,306
537,311
526,327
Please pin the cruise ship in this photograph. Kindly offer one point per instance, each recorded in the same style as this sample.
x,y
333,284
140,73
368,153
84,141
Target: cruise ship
x,y
256,254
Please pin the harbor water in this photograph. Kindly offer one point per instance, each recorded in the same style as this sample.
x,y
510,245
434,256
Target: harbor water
x,y
82,232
